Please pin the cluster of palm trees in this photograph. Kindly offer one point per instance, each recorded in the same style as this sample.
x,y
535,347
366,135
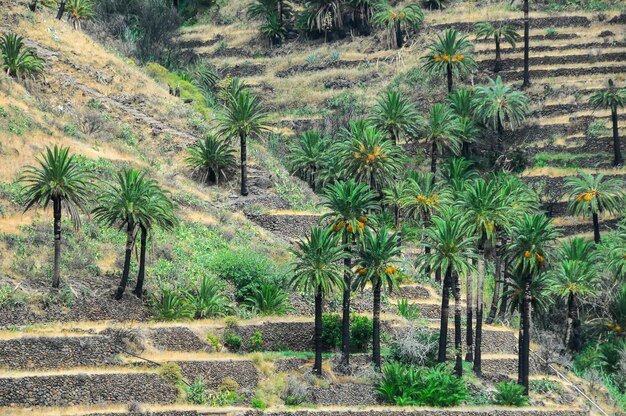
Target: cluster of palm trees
x,y
131,202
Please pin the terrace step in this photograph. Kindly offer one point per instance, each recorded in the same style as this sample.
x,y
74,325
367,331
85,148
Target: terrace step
x,y
555,73
558,61
506,52
537,23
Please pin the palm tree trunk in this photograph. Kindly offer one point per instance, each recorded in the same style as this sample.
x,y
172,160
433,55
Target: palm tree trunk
x,y
497,65
345,321
505,286
458,344
433,158
317,366
526,82
61,10
500,136
524,364
445,310
496,288
469,334
571,313
33,5
376,320
130,231
312,178
596,227
142,263
449,71
398,35
480,283
244,164
56,276
617,150
279,11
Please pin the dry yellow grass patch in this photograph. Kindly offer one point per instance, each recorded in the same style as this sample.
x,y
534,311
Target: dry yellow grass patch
x,y
560,172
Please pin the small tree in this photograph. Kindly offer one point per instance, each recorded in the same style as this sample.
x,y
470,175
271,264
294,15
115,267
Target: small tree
x,y
318,270
59,179
397,20
502,31
450,56
211,157
591,195
611,98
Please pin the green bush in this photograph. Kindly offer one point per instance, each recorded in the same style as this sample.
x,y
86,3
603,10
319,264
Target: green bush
x,y
244,268
405,385
170,305
255,343
223,398
232,341
171,372
268,298
207,298
228,385
258,404
361,333
10,297
196,393
510,394
408,310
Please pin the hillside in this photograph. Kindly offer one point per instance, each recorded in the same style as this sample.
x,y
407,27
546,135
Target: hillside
x,y
221,330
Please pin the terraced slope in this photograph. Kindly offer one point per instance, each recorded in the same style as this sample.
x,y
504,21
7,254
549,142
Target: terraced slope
x,y
106,368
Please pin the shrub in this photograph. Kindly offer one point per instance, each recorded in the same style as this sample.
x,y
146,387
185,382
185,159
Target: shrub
x,y
331,332
207,298
510,394
414,345
228,385
409,386
196,392
295,392
214,342
255,343
232,341
169,305
361,333
597,129
258,404
544,386
244,268
171,372
268,298
223,398
408,310
10,297
17,59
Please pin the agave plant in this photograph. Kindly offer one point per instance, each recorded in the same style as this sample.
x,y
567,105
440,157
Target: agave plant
x,y
17,59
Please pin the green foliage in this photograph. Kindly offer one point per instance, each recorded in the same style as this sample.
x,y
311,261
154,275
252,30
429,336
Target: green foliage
x,y
405,385
196,392
79,11
361,331
228,384
410,311
510,394
169,305
331,330
268,298
208,299
255,343
171,372
212,158
17,59
11,297
397,20
232,341
214,342
544,386
258,404
597,129
187,88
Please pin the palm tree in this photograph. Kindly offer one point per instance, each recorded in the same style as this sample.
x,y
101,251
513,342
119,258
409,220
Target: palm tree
x,y
461,104
158,211
611,98
61,10
242,116
369,157
532,236
307,155
441,132
616,253
392,196
506,31
80,10
376,266
397,20
591,194
324,15
125,203
211,157
17,59
59,179
482,207
450,54
498,105
274,15
317,270
456,172
394,115
572,280
451,242
274,30
348,204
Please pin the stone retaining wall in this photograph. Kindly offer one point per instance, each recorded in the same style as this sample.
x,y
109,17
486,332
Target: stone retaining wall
x,y
288,226
214,372
176,338
424,412
345,394
56,352
85,389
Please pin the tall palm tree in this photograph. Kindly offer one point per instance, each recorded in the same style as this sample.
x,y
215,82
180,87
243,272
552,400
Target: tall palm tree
x,y
158,211
461,103
441,132
307,155
498,105
456,172
212,157
125,204
348,204
395,115
481,204
591,194
369,157
452,243
506,31
532,236
397,20
612,98
243,116
377,255
318,270
450,55
59,179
